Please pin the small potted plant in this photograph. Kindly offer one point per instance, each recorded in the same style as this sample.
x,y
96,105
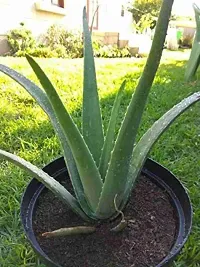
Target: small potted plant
x,y
106,216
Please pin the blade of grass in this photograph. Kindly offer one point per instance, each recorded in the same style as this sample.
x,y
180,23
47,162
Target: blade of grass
x,y
89,174
92,124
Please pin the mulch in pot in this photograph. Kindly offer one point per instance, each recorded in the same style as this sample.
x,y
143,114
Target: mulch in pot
x,y
145,242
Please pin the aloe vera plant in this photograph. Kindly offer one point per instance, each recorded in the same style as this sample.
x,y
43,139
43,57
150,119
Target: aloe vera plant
x,y
102,170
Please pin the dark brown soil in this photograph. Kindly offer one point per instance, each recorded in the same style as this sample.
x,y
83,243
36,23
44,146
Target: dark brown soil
x,y
145,242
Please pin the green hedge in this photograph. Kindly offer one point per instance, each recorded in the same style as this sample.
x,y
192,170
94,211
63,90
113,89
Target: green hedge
x,y
57,43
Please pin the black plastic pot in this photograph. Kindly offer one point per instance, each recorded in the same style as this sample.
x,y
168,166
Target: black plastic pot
x,y
158,174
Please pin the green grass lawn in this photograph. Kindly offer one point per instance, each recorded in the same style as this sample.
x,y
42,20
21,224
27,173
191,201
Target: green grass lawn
x,y
25,130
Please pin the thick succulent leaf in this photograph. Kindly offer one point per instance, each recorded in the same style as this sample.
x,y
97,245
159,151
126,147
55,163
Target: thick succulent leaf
x,y
42,99
47,180
194,60
143,147
117,172
88,171
109,140
92,124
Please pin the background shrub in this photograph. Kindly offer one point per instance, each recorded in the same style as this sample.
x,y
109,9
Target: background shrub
x,y
21,40
44,52
110,51
66,43
58,43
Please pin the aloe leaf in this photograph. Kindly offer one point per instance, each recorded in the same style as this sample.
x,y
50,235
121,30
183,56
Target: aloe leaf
x,y
42,99
76,230
145,144
115,181
109,140
92,124
88,171
47,180
93,18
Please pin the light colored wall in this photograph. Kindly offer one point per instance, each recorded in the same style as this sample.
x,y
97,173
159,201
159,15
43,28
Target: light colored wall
x,y
106,38
110,19
3,45
13,12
